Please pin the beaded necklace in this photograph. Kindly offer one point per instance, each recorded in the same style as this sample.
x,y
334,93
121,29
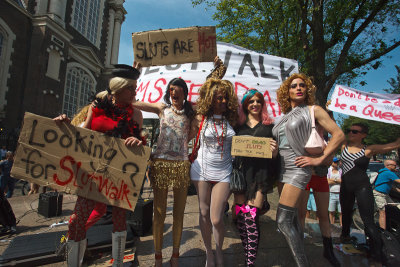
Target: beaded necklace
x,y
179,112
220,138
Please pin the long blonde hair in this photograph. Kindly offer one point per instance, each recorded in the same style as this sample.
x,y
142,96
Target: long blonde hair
x,y
283,92
115,84
80,116
207,92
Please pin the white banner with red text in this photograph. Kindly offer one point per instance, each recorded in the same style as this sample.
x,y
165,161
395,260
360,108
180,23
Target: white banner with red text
x,y
370,106
246,69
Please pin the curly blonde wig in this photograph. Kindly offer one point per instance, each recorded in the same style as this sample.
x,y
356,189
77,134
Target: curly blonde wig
x,y
207,92
283,92
80,116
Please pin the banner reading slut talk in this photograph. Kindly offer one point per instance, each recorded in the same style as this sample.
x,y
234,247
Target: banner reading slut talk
x,y
371,106
246,69
80,161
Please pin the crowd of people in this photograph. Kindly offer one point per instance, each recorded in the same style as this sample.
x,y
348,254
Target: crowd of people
x,y
218,116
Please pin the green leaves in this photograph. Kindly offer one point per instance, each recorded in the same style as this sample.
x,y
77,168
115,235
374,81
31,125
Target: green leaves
x,y
331,39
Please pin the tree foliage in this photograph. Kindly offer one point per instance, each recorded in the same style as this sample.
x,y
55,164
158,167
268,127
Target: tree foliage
x,y
333,40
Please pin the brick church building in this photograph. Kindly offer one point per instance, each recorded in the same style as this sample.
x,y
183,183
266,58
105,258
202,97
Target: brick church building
x,y
54,54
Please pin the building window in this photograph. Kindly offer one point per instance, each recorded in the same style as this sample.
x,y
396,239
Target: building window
x,y
79,86
87,18
7,38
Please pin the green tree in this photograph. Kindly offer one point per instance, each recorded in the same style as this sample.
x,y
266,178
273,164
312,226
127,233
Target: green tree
x,y
333,40
394,83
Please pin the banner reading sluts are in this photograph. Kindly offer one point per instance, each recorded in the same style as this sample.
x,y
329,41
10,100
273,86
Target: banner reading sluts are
x,y
246,69
370,106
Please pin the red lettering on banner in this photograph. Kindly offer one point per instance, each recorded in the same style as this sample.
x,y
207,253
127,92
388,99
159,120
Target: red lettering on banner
x,y
353,108
370,111
341,106
142,88
270,103
192,92
237,84
71,173
397,103
373,100
386,102
159,89
349,94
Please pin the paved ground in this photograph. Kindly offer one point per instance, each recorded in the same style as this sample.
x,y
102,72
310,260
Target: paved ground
x,y
273,250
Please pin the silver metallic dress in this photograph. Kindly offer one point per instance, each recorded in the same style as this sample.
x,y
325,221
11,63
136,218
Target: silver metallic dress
x,y
292,133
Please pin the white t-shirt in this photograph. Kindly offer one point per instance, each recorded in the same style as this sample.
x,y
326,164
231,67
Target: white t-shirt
x,y
336,187
209,166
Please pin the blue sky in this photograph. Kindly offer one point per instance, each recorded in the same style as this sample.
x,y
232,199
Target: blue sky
x,y
144,15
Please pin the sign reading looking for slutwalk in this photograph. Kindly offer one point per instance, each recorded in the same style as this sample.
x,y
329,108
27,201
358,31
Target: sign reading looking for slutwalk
x,y
254,147
80,161
175,46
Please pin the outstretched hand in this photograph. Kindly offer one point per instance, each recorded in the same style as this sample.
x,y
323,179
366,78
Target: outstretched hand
x,y
137,65
217,61
133,141
62,118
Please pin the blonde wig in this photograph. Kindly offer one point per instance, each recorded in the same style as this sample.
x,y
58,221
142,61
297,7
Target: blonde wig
x,y
115,84
283,92
80,116
207,92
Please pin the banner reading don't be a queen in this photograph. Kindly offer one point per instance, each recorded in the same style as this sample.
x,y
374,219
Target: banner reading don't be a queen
x,y
246,69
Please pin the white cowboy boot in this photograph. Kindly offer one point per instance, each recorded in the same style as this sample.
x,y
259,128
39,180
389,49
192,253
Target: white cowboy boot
x,y
118,248
75,252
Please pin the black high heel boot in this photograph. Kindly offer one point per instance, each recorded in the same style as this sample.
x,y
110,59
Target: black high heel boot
x,y
328,251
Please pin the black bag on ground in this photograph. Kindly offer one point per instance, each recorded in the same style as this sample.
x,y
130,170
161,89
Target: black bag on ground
x,y
390,249
237,182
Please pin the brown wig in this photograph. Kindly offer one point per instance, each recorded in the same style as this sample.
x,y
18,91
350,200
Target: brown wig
x,y
243,112
205,100
283,92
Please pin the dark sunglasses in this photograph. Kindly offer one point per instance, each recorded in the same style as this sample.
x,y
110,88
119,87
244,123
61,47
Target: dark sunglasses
x,y
294,85
353,131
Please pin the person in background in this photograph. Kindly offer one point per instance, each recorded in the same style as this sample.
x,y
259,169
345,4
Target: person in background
x,y
334,179
355,185
3,152
383,185
7,183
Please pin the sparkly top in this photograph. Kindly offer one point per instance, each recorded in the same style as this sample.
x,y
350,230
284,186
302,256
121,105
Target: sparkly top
x,y
172,143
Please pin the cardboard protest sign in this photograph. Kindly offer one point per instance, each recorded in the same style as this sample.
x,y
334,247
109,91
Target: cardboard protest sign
x,y
370,106
249,146
80,161
174,46
246,69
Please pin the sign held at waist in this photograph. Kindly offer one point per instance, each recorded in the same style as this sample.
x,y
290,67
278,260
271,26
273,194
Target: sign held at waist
x,y
80,161
249,146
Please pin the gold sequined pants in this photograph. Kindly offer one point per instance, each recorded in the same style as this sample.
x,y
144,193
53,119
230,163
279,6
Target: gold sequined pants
x,y
160,207
165,174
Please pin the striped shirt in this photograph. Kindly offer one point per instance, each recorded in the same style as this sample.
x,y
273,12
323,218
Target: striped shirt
x,y
348,159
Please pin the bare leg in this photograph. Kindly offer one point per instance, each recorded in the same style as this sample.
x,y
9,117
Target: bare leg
x,y
219,196
332,217
382,219
302,208
322,201
204,196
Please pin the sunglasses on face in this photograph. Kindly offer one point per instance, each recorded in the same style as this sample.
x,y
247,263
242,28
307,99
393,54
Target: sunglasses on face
x,y
353,131
294,85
